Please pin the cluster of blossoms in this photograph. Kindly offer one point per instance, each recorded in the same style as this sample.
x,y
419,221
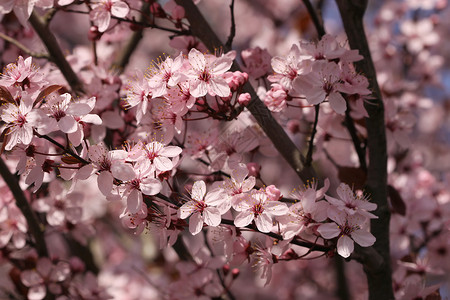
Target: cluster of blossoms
x,y
174,154
321,72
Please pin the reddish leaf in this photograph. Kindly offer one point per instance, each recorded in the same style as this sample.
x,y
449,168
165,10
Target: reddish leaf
x,y
70,160
355,177
5,95
397,203
47,91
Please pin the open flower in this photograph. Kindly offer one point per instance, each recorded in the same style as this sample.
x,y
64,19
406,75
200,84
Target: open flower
x,y
349,230
203,207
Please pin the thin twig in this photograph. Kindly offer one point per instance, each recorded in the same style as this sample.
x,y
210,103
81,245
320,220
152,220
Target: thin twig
x,y
55,52
315,19
233,27
23,47
308,161
349,123
34,226
131,46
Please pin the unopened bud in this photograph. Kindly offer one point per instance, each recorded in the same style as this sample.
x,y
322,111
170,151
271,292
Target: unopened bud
x,y
244,99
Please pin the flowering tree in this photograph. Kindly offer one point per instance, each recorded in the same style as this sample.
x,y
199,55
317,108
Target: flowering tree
x,y
249,168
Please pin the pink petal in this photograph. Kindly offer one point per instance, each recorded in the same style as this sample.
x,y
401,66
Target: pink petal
x,y
345,246
363,238
120,9
211,216
170,151
134,201
198,190
105,182
150,186
195,223
219,87
329,230
197,60
163,164
243,219
337,103
264,222
68,124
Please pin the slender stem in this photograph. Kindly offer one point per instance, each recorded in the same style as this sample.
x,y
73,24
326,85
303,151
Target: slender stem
x,y
379,280
131,46
313,134
34,226
23,47
315,19
55,52
349,123
66,150
233,27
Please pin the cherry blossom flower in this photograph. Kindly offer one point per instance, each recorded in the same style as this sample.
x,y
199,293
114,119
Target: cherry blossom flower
x,y
349,230
323,83
155,156
205,76
46,275
259,208
142,183
20,120
60,206
13,226
288,68
352,204
203,207
256,62
166,74
104,9
23,74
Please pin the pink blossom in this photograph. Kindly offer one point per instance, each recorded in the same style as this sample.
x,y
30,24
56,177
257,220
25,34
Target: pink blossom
x,y
104,9
203,207
259,208
23,74
20,120
46,275
323,83
256,62
349,230
205,76
275,99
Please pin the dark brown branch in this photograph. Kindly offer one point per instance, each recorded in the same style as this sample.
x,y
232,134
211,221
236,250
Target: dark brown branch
x,y
233,27
379,280
132,44
34,226
55,52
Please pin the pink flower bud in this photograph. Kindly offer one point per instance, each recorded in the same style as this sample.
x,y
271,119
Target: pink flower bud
x,y
273,193
244,99
226,269
253,169
94,34
235,273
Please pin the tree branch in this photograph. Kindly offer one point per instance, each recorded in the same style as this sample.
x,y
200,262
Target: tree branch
x,y
380,281
22,203
55,52
132,44
23,47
